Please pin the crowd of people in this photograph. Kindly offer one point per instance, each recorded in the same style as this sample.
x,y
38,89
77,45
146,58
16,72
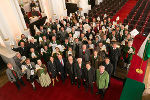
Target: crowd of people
x,y
86,50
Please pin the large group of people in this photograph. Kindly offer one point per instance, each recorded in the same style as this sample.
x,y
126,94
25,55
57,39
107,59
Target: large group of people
x,y
86,50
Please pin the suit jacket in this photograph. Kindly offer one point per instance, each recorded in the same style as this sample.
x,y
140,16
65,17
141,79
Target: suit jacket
x,y
22,51
79,72
17,61
89,75
70,68
34,59
76,48
95,62
62,35
45,43
10,75
114,54
28,70
108,68
52,67
34,45
85,56
60,67
96,29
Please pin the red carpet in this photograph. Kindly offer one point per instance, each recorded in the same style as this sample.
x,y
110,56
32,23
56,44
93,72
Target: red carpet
x,y
125,10
59,92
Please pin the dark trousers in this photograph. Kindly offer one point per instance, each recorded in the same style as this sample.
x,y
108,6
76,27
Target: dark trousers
x,y
79,82
17,83
87,85
114,63
72,78
102,92
63,76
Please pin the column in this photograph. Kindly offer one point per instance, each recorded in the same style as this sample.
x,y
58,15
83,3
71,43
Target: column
x,y
85,7
59,8
12,21
19,16
46,7
54,8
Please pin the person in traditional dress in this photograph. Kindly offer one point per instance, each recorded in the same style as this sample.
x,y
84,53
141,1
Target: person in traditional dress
x,y
128,52
42,73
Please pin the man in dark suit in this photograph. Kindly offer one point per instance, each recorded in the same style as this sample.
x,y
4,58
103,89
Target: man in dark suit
x,y
43,31
23,50
62,34
66,44
114,55
79,72
97,28
84,53
45,41
89,77
108,66
14,75
23,39
70,66
61,64
33,44
95,60
77,45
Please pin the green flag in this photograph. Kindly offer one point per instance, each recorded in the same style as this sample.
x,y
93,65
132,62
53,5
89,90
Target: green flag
x,y
147,51
144,51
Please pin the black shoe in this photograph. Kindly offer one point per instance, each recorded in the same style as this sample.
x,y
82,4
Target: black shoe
x,y
97,93
78,86
18,88
102,97
71,83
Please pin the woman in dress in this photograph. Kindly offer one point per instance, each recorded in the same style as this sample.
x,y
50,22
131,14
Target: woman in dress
x,y
42,73
52,69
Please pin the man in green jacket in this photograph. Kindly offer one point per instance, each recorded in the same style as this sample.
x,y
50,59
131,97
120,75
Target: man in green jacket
x,y
102,80
128,52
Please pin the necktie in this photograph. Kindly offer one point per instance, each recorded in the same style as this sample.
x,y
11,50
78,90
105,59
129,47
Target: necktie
x,y
62,63
15,74
83,52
